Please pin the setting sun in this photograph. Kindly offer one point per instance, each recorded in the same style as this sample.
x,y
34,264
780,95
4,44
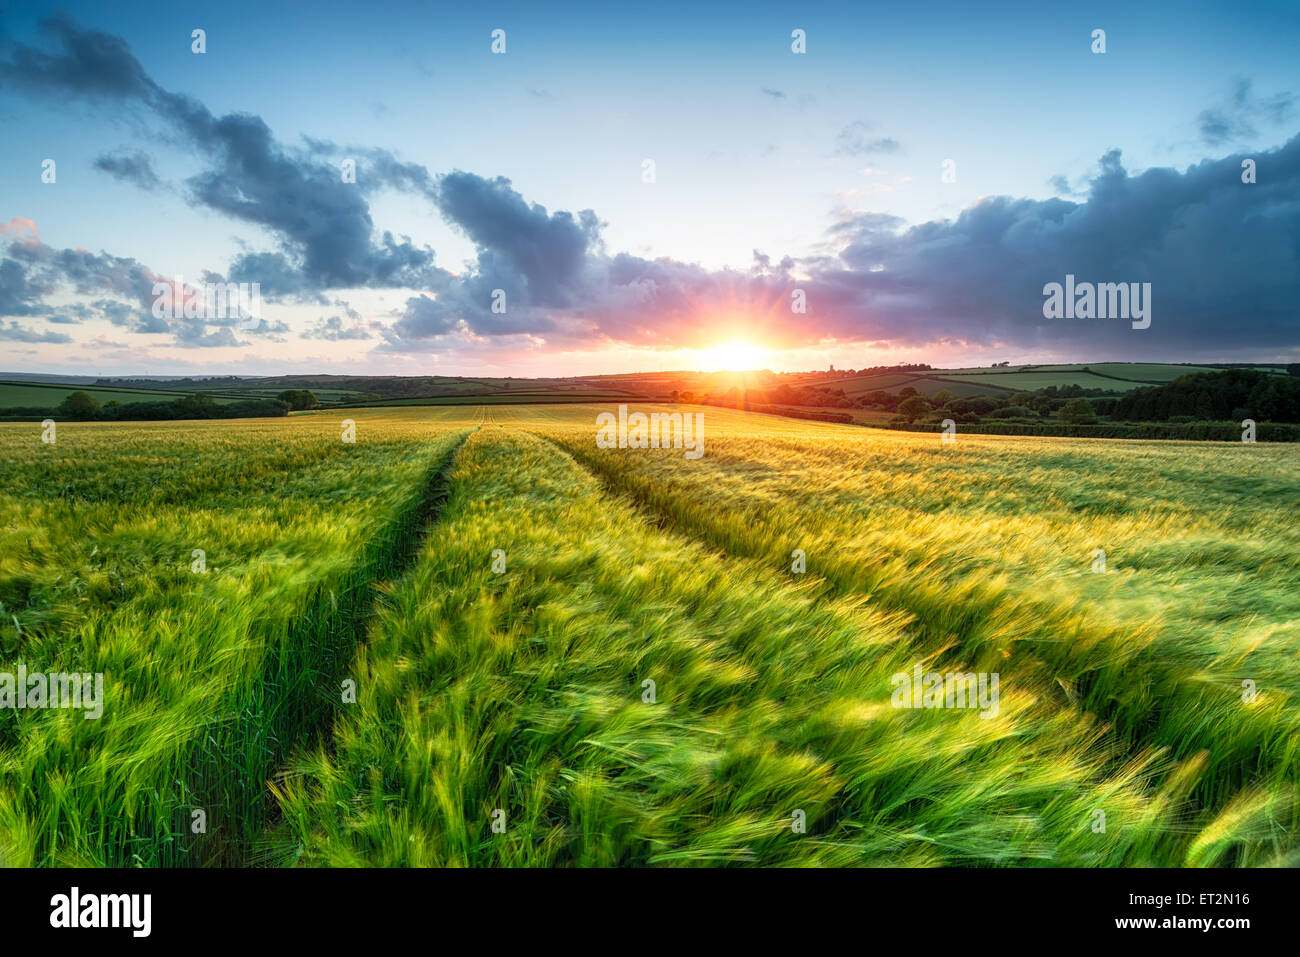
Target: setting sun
x,y
734,356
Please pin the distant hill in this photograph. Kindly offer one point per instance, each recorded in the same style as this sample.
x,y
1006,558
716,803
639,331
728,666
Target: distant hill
x,y
37,390
32,394
1113,378
43,377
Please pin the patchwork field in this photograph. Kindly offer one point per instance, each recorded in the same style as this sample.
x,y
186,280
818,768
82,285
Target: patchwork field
x,y
44,395
1112,377
473,637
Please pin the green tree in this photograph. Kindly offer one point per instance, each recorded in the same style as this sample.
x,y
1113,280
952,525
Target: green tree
x,y
1078,412
196,405
913,407
79,405
298,399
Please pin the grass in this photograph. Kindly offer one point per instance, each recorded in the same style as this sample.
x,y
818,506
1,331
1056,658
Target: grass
x,y
990,543
523,690
209,677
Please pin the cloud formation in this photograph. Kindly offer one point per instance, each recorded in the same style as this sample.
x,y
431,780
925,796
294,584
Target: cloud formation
x,y
1222,256
1235,121
856,140
338,329
129,167
326,234
16,333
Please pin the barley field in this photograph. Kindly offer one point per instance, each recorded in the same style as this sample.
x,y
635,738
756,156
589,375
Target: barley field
x,y
472,637
212,671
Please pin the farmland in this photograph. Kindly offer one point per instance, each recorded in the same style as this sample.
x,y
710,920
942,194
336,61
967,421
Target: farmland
x,y
43,395
48,395
1113,377
213,662
570,655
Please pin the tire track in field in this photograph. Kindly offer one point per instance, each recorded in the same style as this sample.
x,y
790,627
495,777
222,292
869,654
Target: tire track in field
x,y
504,458
1213,778
659,512
344,617
934,644
932,640
938,648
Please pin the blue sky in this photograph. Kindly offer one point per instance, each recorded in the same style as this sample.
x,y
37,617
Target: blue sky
x,y
829,160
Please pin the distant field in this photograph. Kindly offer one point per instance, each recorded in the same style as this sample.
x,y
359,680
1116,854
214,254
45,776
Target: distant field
x,y
927,384
324,395
1147,372
1114,377
503,398
854,384
1030,381
1135,371
39,395
418,386
1110,377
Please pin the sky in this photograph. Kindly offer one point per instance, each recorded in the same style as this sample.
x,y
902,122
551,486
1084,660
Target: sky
x,y
623,188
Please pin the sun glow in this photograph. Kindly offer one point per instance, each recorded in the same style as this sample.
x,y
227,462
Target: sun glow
x,y
735,356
